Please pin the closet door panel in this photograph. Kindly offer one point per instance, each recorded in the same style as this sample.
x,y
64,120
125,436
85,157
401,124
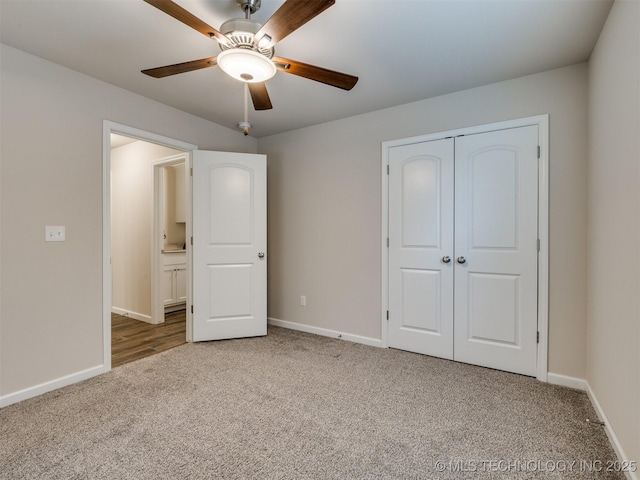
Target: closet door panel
x,y
420,236
496,249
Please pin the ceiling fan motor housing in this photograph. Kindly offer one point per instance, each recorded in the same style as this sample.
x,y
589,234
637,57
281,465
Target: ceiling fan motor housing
x,y
241,32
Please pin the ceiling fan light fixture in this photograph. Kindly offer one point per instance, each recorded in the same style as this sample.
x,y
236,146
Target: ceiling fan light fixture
x,y
246,65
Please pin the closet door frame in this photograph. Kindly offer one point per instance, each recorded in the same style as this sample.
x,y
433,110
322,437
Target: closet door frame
x,y
542,121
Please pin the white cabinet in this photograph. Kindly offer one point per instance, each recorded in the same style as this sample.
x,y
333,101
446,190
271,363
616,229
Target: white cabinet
x,y
174,279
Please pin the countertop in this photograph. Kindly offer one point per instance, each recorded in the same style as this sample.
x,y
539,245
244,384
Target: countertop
x,y
173,250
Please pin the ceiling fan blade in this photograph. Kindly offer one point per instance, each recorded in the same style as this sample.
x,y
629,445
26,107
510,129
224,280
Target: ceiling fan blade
x,y
288,18
168,70
260,96
319,74
182,15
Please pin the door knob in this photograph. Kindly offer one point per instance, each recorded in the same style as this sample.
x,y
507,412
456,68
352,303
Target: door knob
x,y
461,260
446,259
260,254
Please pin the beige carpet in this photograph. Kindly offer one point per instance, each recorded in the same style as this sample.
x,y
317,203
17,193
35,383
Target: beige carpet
x,y
293,405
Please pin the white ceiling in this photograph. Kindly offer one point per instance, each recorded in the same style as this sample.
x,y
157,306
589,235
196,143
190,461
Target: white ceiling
x,y
402,50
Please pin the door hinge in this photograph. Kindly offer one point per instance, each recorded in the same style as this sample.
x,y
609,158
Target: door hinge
x,y
191,240
191,171
538,151
538,244
387,314
387,242
537,337
191,308
387,169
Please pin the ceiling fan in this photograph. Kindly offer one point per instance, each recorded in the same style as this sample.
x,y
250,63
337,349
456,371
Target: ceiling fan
x,y
246,46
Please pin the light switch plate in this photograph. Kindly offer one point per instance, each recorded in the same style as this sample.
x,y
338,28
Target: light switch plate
x,y
54,234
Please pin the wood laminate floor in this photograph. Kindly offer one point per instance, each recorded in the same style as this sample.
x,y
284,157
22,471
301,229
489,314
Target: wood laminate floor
x,y
132,339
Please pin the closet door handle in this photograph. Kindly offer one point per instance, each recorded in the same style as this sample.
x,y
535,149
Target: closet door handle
x,y
461,260
260,254
446,259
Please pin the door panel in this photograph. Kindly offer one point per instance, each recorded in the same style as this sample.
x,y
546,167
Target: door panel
x,y
229,233
496,232
420,235
493,184
230,287
421,300
421,202
492,310
230,204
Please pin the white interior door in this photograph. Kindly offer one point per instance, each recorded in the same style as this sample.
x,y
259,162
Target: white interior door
x,y
229,245
496,236
463,256
421,247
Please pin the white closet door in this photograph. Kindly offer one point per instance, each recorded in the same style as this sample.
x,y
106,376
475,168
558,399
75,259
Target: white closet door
x,y
420,240
229,245
496,249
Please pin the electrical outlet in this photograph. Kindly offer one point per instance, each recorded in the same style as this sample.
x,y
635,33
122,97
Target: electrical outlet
x,y
54,234
303,300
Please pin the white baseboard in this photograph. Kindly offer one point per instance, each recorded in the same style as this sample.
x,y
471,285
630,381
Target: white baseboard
x,y
565,381
51,385
130,314
581,384
611,434
373,342
175,308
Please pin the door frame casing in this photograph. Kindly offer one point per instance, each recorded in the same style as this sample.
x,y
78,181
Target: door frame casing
x,y
542,121
109,127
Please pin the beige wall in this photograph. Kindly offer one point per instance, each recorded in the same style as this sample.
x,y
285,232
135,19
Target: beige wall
x,y
132,224
51,154
325,203
613,360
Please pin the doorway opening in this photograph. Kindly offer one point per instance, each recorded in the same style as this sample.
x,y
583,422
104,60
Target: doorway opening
x,y
138,168
133,339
